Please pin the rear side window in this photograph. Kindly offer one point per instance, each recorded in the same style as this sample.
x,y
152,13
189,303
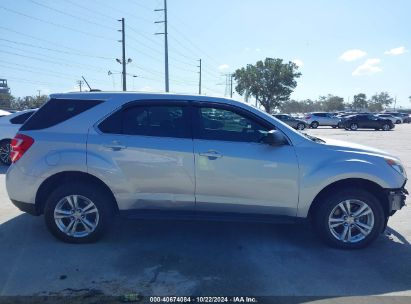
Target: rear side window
x,y
148,120
20,119
56,111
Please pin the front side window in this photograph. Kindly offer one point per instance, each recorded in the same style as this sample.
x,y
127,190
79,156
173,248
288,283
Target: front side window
x,y
222,124
149,120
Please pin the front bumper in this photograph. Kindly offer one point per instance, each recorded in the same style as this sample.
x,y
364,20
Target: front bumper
x,y
26,207
396,198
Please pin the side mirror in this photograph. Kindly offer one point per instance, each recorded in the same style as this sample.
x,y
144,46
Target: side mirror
x,y
274,138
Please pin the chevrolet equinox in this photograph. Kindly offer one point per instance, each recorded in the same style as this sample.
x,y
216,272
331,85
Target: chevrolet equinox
x,y
82,158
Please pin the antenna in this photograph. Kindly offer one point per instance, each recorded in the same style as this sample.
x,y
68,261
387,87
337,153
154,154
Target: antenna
x,y
87,83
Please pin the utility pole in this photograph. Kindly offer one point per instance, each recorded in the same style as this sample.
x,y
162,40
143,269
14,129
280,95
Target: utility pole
x,y
123,61
165,33
39,91
80,84
199,82
231,85
395,102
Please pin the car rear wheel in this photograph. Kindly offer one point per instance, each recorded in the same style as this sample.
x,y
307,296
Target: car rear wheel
x,y
334,127
5,148
398,122
78,213
349,219
386,127
314,125
300,126
353,127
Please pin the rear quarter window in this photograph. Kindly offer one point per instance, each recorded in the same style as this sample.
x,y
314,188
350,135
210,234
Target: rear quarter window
x,y
56,111
20,119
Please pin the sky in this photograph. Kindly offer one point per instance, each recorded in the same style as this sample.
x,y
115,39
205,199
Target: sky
x,y
341,47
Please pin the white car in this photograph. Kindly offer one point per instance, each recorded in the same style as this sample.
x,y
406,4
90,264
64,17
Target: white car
x,y
9,125
395,120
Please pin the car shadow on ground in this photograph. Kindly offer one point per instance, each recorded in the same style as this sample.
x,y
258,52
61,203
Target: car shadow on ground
x,y
152,257
3,169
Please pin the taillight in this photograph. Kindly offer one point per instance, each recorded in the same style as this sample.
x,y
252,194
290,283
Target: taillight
x,y
19,145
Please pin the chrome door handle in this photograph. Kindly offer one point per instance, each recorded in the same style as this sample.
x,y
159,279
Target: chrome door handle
x,y
114,147
211,154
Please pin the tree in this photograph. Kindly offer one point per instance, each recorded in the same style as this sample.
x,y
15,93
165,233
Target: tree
x,y
332,103
380,101
270,81
360,101
28,102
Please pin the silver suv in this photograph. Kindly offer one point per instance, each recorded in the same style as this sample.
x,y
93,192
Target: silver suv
x,y
85,157
316,119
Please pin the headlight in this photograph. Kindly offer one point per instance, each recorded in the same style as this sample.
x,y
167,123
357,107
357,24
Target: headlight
x,y
396,166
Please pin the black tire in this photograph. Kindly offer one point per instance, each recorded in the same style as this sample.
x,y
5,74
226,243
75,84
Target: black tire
x,y
327,205
386,127
300,126
398,122
340,125
314,124
353,127
96,195
334,127
5,148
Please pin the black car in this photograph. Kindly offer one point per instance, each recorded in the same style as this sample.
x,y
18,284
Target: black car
x,y
367,121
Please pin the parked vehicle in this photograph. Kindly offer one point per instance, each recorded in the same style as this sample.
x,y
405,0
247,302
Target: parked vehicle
x,y
316,119
395,120
291,121
84,157
406,118
367,121
9,125
396,115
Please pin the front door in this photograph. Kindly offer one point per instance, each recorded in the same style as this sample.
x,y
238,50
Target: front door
x,y
235,172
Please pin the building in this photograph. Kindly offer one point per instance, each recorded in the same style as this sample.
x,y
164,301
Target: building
x,y
4,94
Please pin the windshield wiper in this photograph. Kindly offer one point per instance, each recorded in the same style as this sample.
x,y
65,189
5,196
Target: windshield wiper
x,y
313,138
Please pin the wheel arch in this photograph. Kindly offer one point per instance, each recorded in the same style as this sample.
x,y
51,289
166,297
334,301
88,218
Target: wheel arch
x,y
55,180
365,184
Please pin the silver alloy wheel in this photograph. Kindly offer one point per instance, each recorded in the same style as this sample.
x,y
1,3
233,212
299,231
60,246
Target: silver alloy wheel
x,y
385,127
351,221
5,153
300,126
76,216
354,127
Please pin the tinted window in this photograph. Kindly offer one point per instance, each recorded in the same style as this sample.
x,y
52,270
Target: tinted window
x,y
56,111
20,119
164,121
221,124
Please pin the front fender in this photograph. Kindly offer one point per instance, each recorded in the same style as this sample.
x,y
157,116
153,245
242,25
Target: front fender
x,y
314,179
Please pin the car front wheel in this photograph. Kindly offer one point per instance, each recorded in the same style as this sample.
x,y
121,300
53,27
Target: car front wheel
x,y
353,126
78,213
350,219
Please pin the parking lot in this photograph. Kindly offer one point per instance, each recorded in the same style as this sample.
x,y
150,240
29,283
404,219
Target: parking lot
x,y
209,258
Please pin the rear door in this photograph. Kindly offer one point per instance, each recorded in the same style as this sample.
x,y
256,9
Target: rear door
x,y
147,149
234,171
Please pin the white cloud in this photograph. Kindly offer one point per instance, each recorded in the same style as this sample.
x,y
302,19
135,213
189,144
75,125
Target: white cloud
x,y
396,51
298,62
258,50
223,67
370,66
352,55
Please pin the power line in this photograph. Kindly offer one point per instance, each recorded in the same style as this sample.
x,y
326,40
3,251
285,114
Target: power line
x,y
81,53
54,24
71,15
54,50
